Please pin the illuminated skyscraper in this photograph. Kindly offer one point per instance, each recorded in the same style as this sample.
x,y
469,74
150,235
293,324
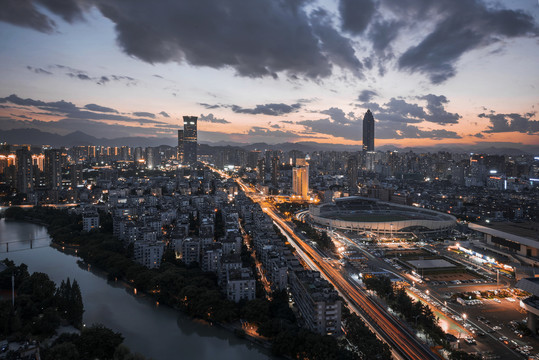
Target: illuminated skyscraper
x,y
53,169
300,181
368,131
190,140
25,171
180,146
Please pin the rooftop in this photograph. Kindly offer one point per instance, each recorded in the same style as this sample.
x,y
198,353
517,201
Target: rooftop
x,y
430,264
525,229
530,285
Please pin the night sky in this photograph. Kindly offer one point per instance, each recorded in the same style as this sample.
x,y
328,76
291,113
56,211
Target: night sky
x,y
440,71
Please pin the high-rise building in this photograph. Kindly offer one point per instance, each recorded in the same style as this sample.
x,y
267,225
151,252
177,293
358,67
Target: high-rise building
x,y
300,181
252,158
317,301
352,171
153,158
261,168
190,139
180,146
53,169
75,171
368,131
138,154
25,171
274,170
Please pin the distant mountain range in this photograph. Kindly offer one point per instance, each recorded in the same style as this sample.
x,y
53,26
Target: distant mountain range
x,y
37,137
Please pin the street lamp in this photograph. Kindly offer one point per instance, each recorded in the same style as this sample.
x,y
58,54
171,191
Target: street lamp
x,y
464,316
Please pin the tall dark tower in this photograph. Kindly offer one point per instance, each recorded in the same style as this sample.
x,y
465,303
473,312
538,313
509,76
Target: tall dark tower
x,y
53,169
352,170
190,140
25,171
180,146
368,131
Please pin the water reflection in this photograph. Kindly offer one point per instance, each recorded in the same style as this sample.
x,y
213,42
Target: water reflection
x,y
159,332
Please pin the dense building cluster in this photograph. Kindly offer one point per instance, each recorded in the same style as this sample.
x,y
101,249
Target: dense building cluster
x,y
317,301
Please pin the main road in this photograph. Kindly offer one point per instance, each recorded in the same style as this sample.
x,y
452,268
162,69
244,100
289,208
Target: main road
x,y
390,328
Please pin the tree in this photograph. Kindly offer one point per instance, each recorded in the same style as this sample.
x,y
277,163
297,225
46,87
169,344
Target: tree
x,y
64,351
39,287
98,342
123,353
76,310
364,340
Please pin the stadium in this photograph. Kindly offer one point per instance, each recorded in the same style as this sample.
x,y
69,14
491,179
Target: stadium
x,y
366,215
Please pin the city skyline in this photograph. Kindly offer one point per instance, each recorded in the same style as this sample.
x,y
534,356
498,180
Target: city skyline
x,y
307,75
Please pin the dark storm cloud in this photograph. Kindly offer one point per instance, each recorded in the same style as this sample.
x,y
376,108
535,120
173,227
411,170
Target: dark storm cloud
x,y
274,37
164,114
99,79
256,39
24,13
338,115
71,111
465,25
356,14
401,111
212,119
384,130
349,131
69,10
393,120
268,109
38,70
511,123
367,95
95,107
144,114
61,106
337,48
437,112
79,76
209,106
403,131
382,33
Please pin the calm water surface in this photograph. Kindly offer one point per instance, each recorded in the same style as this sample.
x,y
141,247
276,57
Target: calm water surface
x,y
157,332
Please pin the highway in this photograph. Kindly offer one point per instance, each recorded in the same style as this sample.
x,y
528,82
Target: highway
x,y
390,328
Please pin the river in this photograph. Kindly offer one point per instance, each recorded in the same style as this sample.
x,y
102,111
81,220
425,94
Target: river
x,y
157,332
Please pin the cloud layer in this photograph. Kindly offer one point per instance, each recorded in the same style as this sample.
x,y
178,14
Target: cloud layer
x,y
395,119
273,37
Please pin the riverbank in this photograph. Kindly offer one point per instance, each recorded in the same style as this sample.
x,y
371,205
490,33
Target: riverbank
x,y
157,331
197,293
234,328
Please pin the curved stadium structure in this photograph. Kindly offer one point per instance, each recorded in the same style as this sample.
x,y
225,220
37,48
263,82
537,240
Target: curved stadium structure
x,y
382,218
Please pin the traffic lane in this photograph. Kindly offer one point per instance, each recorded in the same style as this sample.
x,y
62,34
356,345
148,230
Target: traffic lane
x,y
409,346
406,342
